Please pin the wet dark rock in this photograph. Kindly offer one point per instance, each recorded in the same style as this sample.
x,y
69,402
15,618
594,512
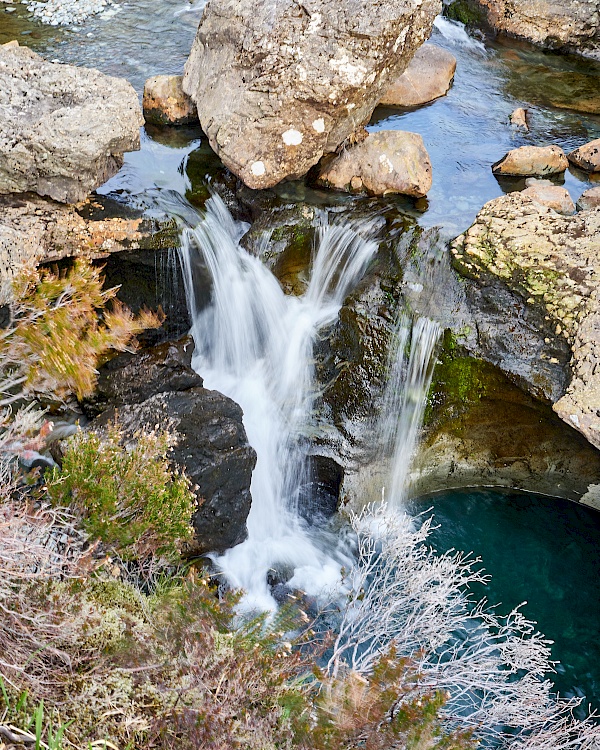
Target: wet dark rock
x,y
319,498
157,389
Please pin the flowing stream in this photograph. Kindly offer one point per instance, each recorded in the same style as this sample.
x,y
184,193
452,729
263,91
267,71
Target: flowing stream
x,y
255,344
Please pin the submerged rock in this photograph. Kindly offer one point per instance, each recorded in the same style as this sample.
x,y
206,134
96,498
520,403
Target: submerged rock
x,y
554,24
158,388
587,157
429,75
277,85
552,263
63,130
518,118
548,194
389,161
532,160
165,102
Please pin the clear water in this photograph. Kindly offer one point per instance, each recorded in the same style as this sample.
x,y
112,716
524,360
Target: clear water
x,y
540,550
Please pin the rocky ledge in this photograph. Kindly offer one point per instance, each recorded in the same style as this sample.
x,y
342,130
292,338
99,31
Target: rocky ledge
x,y
552,263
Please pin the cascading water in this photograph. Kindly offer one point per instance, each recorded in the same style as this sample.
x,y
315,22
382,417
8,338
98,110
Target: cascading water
x,y
411,363
255,344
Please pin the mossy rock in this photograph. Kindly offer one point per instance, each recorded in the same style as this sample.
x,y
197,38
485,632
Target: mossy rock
x,y
468,12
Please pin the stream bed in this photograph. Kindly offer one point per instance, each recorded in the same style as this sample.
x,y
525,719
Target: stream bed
x,y
537,549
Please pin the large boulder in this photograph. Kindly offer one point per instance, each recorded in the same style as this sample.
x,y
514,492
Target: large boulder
x,y
552,263
429,75
158,388
277,85
389,161
63,129
554,24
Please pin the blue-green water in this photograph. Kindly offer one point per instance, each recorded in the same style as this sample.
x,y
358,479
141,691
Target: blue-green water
x,y
541,550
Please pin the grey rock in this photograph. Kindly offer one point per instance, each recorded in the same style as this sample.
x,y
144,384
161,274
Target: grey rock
x,y
277,85
63,129
551,263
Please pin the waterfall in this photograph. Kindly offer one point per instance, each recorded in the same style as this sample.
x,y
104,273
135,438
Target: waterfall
x,y
255,344
410,369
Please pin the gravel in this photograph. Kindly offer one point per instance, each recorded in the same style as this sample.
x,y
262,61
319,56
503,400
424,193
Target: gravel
x,y
69,12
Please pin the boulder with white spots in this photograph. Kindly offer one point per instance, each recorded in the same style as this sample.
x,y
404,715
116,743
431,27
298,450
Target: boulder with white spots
x,y
279,84
390,161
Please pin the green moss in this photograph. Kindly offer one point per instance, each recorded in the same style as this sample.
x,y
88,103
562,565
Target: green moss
x,y
466,11
458,382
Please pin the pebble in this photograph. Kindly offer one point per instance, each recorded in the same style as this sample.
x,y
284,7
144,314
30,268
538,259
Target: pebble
x,y
67,12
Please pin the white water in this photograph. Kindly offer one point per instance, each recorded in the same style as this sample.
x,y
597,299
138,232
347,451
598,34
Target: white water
x,y
455,33
255,344
410,370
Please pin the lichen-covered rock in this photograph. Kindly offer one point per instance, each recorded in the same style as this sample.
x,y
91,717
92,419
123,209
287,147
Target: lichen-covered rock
x,y
429,75
587,157
548,194
532,161
553,263
165,102
589,199
63,129
157,388
562,25
277,85
389,161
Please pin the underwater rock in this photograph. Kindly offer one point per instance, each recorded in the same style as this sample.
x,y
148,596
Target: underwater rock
x,y
165,102
552,263
587,157
532,160
277,85
518,118
64,129
429,75
549,194
388,161
158,388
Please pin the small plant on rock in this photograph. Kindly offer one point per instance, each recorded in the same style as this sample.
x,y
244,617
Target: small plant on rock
x,y
127,496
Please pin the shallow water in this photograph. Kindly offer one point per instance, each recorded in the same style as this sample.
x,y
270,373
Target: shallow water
x,y
540,550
